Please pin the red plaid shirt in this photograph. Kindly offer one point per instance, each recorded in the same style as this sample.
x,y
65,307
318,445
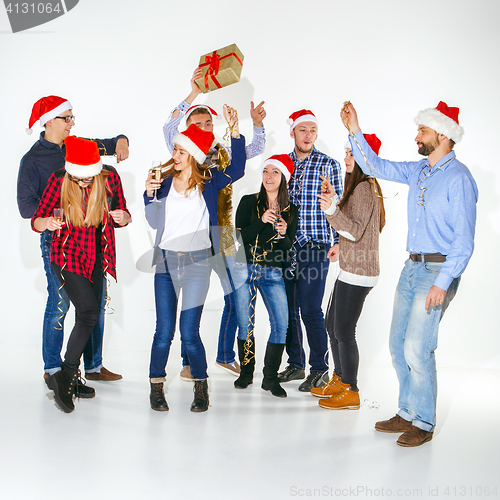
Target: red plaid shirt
x,y
75,249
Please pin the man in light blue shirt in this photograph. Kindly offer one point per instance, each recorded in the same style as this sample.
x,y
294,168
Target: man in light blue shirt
x,y
442,201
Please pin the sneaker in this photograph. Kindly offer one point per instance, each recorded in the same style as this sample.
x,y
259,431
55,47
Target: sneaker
x,y
345,400
394,424
331,388
233,368
314,379
186,374
291,373
103,375
414,437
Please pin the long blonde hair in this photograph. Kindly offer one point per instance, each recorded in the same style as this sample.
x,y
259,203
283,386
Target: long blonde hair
x,y
198,175
79,212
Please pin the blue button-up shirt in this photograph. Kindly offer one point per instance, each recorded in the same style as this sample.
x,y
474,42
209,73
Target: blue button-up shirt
x,y
303,190
171,129
441,205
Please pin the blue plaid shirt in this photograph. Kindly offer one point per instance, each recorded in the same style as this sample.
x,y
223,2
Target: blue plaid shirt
x,y
303,190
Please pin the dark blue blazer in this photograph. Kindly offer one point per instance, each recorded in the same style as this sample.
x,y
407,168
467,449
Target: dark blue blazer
x,y
155,212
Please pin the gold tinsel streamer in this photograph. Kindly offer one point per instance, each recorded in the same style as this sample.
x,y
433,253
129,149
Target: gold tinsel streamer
x,y
253,291
368,164
107,299
61,317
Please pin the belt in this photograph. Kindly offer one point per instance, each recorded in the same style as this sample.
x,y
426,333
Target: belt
x,y
427,257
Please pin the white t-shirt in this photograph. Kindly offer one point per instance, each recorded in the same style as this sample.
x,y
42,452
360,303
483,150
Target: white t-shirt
x,y
187,222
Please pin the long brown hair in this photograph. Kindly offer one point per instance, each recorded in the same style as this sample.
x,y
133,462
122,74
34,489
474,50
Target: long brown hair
x,y
352,180
198,174
282,198
81,212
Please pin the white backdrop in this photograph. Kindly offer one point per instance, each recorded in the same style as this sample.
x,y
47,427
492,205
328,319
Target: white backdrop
x,y
124,65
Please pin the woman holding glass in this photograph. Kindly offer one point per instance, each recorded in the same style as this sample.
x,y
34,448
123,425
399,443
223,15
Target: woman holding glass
x,y
267,222
185,219
83,245
358,218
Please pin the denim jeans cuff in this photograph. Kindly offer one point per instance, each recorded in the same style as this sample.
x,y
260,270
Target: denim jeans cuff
x,y
405,415
94,370
423,425
51,371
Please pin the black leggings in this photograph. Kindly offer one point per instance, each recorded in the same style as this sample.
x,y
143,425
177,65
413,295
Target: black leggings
x,y
344,309
85,296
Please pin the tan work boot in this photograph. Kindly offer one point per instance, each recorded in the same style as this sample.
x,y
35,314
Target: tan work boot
x,y
347,399
331,388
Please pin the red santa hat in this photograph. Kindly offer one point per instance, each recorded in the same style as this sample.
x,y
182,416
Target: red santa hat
x,y
373,141
210,110
195,141
82,157
304,115
47,108
283,162
443,119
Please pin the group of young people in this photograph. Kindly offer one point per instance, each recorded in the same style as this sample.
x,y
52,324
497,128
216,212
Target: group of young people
x,y
285,235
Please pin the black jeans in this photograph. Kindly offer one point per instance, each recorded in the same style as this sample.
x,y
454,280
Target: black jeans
x,y
85,296
344,309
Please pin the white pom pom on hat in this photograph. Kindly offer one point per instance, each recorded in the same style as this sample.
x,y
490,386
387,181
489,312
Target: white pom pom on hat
x,y
443,119
45,109
304,115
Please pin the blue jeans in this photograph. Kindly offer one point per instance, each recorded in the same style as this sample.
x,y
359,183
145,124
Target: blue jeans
x,y
53,320
229,322
305,293
248,278
413,340
188,272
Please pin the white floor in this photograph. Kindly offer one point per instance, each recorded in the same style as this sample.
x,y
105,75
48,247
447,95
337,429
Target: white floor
x,y
248,445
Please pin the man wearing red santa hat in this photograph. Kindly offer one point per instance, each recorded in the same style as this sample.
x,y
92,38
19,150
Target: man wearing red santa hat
x,y
47,156
442,201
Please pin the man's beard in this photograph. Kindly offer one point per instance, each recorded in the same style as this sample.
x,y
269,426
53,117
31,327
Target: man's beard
x,y
427,149
304,151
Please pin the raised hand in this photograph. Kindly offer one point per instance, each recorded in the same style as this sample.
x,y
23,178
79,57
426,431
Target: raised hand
x,y
350,118
257,113
231,116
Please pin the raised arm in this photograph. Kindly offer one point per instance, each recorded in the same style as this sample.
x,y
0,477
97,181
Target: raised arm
x,y
171,127
258,144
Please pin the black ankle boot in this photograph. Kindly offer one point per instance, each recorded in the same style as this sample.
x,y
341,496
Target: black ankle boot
x,y
63,384
272,361
246,370
157,398
200,401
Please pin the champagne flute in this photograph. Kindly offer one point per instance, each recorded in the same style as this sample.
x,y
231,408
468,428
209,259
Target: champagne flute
x,y
58,216
156,168
275,207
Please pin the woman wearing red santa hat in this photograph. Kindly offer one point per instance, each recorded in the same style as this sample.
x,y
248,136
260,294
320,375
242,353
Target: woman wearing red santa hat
x,y
267,222
358,218
184,214
83,245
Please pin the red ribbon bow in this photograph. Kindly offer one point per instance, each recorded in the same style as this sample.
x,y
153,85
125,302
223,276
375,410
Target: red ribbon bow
x,y
213,62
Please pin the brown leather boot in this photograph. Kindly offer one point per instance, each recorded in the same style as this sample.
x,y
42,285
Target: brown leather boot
x,y
394,424
200,401
157,397
414,437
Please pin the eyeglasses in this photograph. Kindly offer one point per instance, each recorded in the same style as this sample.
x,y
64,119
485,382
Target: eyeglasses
x,y
87,180
67,119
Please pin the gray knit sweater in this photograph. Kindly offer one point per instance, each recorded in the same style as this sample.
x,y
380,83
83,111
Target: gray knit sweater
x,y
358,225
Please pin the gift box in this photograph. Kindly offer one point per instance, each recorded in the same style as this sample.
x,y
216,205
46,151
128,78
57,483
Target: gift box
x,y
221,68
